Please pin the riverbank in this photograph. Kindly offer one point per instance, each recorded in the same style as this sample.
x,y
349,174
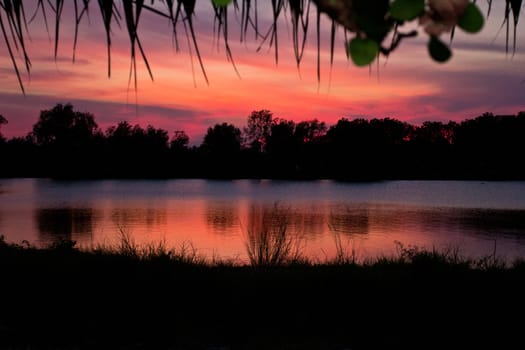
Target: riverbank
x,y
152,297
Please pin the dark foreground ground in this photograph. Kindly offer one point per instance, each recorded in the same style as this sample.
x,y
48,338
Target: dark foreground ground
x,y
62,298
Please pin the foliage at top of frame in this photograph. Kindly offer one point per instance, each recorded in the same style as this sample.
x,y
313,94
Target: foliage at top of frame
x,y
371,28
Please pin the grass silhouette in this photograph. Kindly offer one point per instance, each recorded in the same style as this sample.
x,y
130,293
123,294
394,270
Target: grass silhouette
x,y
151,296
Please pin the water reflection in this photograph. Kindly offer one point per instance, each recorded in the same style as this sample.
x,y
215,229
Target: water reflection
x,y
311,221
494,222
139,217
262,218
373,227
269,240
215,216
222,217
349,222
64,223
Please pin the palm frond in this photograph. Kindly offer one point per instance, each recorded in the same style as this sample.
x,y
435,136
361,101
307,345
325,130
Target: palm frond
x,y
341,13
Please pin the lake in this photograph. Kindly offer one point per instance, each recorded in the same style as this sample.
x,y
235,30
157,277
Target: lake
x,y
215,217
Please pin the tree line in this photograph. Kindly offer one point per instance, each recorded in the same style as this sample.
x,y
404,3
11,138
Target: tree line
x,y
65,143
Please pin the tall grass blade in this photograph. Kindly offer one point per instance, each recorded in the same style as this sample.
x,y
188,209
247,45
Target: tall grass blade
x,y
269,241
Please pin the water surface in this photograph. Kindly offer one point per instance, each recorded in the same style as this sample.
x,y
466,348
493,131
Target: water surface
x,y
216,216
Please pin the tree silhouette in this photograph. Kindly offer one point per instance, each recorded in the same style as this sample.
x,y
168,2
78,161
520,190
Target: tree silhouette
x,y
434,133
490,145
65,140
282,148
222,140
221,151
129,139
180,140
281,138
155,139
63,126
310,130
120,133
310,140
132,151
486,147
2,122
258,129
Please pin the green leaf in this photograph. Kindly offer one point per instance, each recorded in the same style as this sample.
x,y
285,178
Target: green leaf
x,y
363,51
438,50
406,10
221,3
471,20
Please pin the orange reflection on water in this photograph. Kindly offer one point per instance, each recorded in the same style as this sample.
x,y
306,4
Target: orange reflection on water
x,y
220,229
216,216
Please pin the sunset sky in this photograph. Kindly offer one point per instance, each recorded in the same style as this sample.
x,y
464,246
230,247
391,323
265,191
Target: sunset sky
x,y
409,86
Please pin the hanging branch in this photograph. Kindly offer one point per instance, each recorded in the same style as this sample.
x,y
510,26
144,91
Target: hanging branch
x,y
318,36
221,17
78,18
106,11
277,6
17,23
173,17
515,7
300,15
132,21
189,8
58,15
11,55
365,25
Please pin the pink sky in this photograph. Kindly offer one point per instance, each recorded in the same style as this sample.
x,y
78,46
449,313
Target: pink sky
x,y
409,86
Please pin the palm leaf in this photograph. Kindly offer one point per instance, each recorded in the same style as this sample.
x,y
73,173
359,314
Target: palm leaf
x,y
78,17
106,11
11,54
189,7
221,16
14,26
